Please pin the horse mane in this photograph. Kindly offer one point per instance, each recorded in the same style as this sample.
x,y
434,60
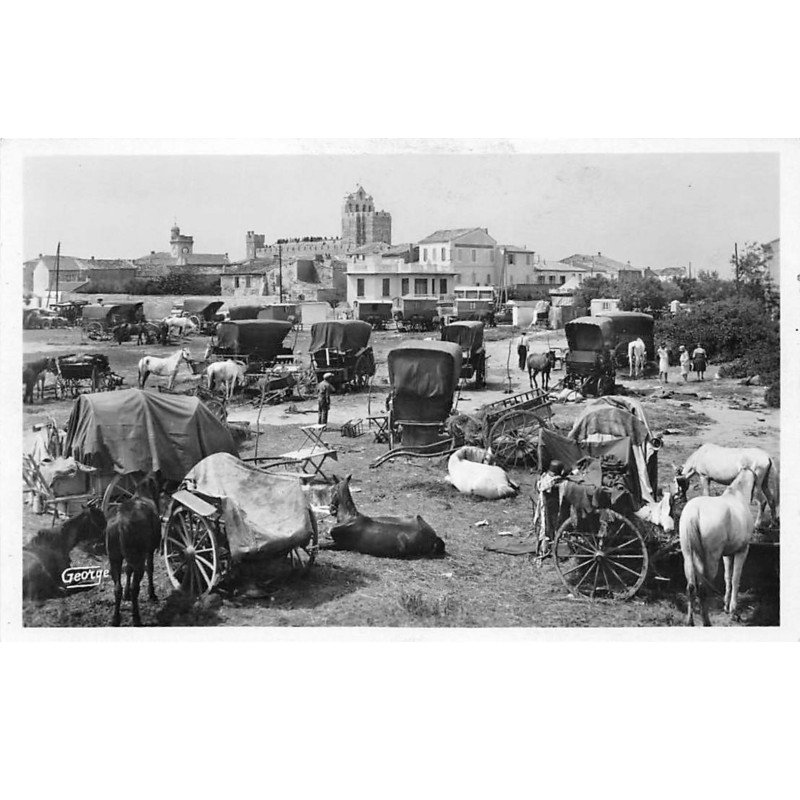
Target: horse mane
x,y
47,537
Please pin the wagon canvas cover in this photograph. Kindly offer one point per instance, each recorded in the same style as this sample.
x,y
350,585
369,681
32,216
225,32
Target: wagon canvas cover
x,y
468,334
136,431
257,337
589,333
424,377
264,513
202,308
340,335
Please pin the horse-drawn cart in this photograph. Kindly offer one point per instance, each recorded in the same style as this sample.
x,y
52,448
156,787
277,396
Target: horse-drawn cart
x,y
88,371
257,343
468,335
204,314
417,313
98,322
595,515
341,347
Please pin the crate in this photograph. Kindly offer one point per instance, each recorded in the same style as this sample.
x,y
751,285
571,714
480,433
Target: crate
x,y
353,428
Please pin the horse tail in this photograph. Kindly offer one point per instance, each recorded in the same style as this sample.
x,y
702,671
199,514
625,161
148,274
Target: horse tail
x,y
694,553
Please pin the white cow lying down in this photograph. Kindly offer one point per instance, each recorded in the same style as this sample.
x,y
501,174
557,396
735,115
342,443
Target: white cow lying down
x,y
470,474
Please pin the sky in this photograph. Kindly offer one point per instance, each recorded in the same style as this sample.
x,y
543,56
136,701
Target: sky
x,y
650,209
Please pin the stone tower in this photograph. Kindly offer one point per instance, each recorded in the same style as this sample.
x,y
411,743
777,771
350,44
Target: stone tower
x,y
361,223
255,242
180,246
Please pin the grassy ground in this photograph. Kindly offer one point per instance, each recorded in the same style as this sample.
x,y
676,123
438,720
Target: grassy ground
x,y
471,586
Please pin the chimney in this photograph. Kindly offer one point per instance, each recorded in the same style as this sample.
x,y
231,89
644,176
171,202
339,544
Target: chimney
x,y
92,258
152,252
599,253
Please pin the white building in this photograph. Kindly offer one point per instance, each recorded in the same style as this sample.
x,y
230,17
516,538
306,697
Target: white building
x,y
468,253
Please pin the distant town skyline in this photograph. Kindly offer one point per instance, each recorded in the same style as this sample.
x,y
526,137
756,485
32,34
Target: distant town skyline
x,y
652,210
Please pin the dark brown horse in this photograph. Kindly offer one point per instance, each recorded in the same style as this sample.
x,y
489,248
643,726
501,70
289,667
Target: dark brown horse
x,y
33,373
132,536
122,333
540,362
46,556
385,537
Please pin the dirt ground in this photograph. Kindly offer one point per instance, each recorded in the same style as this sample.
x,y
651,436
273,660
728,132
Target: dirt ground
x,y
471,586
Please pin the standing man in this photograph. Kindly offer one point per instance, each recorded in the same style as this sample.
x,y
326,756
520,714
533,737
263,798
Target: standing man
x,y
663,363
522,352
324,389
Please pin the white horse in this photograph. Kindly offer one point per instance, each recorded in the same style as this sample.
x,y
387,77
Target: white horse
x,y
228,373
713,462
712,528
183,325
637,352
469,469
162,367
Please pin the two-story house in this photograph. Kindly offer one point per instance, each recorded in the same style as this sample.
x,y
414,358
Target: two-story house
x,y
469,253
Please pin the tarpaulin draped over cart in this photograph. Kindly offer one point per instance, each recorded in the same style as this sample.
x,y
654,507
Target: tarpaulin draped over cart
x,y
614,417
467,334
424,377
204,309
343,335
264,513
260,338
137,431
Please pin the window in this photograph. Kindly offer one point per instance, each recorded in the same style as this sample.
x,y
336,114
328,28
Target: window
x,y
359,287
488,279
528,260
563,279
460,255
511,259
247,282
551,279
541,279
404,286
386,292
474,276
442,285
474,255
444,257
424,253
420,286
236,282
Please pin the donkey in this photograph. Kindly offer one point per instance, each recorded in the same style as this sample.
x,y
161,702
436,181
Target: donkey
x,y
385,537
162,367
714,527
46,556
33,373
713,462
132,536
540,362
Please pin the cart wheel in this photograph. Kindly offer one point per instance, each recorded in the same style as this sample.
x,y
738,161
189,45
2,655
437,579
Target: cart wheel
x,y
121,488
195,320
609,561
94,330
514,438
150,333
216,406
360,377
191,553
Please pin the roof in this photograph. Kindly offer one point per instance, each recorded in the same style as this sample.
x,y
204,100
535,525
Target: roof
x,y
446,234
109,263
206,258
369,248
559,266
65,262
597,262
156,260
253,267
68,286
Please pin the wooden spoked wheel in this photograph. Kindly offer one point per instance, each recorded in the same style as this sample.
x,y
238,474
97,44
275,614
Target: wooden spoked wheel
x,y
121,488
195,320
94,330
191,551
602,556
514,439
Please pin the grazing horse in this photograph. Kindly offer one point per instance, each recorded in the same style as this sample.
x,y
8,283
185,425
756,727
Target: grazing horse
x,y
33,373
385,537
126,330
637,353
46,556
714,527
228,373
132,536
540,362
183,325
162,367
713,462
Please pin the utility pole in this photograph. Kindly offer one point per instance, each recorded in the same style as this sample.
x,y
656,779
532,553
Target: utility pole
x,y
690,270
49,282
280,273
736,263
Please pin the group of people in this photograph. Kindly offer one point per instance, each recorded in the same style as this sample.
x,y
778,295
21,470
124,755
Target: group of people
x,y
694,363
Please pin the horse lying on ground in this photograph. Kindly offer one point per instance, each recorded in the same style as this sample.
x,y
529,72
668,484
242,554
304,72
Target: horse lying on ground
x,y
229,373
46,556
33,373
469,469
712,462
714,527
637,353
183,325
132,536
162,367
540,362
385,537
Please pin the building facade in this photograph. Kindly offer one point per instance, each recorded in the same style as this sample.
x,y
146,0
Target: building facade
x,y
469,253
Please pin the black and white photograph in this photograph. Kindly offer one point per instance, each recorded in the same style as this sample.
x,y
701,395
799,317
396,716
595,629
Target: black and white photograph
x,y
409,386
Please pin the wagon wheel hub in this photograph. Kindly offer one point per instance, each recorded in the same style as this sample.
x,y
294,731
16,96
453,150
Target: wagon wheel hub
x,y
189,552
